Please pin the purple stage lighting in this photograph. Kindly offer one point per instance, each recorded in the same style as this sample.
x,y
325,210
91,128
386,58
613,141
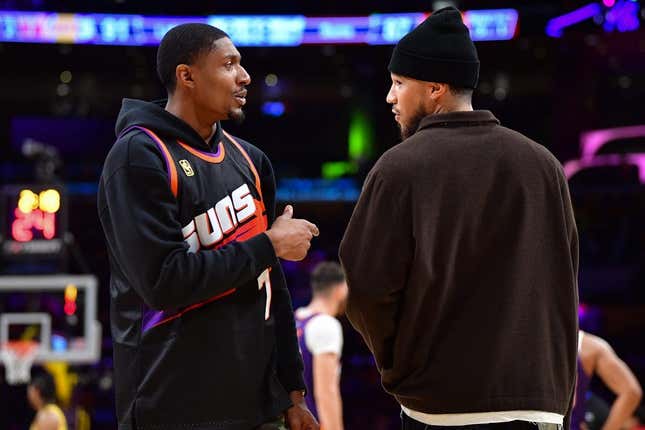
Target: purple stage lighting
x,y
273,109
555,26
622,17
591,143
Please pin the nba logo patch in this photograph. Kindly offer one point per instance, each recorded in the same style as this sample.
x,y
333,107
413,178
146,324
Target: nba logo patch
x,y
188,170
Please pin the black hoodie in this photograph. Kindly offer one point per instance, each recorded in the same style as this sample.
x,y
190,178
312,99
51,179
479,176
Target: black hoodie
x,y
195,343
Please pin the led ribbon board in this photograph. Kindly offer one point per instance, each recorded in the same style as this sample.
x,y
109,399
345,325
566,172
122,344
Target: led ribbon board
x,y
245,30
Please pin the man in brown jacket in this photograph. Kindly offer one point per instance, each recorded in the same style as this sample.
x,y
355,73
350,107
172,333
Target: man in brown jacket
x,y
461,255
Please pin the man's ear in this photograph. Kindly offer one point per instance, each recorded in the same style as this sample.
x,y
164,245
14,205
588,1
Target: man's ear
x,y
436,90
184,76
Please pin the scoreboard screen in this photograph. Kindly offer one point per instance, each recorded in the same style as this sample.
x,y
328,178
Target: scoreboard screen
x,y
34,220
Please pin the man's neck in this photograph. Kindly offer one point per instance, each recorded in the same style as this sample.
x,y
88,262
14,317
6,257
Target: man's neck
x,y
454,107
187,112
323,305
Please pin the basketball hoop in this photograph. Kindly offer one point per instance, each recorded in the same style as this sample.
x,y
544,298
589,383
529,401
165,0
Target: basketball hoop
x,y
17,357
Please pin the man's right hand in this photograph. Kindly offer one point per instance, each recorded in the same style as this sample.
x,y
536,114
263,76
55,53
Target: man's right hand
x,y
291,237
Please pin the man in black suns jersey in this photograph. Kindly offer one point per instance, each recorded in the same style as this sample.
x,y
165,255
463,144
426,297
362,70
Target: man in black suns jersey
x,y
201,318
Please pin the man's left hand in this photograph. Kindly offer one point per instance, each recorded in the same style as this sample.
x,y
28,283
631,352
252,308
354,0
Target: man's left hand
x,y
298,416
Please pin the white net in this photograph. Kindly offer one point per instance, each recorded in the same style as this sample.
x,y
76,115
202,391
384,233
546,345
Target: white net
x,y
17,358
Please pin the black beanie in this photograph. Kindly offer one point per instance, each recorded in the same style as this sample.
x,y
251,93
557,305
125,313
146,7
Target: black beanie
x,y
438,50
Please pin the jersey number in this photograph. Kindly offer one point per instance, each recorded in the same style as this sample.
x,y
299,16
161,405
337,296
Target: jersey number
x,y
264,280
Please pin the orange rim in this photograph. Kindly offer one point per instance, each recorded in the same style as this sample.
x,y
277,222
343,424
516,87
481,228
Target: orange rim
x,y
22,347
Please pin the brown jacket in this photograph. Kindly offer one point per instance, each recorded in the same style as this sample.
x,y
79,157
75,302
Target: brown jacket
x,y
462,259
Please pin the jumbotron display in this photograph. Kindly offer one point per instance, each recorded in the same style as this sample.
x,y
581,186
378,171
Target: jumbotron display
x,y
245,30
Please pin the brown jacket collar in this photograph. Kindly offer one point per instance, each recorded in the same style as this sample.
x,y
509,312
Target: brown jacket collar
x,y
458,119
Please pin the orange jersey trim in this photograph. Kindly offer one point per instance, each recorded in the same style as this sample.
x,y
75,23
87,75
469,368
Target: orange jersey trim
x,y
170,163
251,165
214,158
195,306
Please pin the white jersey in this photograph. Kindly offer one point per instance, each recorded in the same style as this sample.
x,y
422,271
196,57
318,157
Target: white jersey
x,y
323,333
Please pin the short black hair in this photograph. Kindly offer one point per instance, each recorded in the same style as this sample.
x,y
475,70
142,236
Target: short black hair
x,y
462,92
325,276
44,383
184,44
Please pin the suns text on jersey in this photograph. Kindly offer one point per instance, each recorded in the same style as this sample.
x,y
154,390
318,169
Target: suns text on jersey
x,y
209,229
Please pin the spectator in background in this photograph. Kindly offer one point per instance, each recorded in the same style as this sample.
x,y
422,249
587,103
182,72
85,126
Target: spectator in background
x,y
320,336
596,357
41,394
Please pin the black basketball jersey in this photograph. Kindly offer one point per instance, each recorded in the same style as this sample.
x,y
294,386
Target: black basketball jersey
x,y
201,319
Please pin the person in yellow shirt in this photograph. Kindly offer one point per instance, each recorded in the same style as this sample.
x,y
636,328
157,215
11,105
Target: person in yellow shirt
x,y
41,394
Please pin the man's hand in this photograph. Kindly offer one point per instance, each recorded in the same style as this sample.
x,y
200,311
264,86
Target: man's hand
x,y
298,416
291,237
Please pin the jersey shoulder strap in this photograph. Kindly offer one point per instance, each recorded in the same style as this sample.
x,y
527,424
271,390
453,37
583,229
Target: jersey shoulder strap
x,y
256,176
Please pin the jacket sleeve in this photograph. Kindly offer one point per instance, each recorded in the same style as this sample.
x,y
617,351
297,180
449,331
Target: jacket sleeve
x,y
141,223
572,233
290,365
572,230
376,253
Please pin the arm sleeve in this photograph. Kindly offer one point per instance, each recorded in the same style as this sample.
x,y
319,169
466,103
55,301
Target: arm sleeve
x,y
324,334
141,223
376,252
572,233
572,230
290,365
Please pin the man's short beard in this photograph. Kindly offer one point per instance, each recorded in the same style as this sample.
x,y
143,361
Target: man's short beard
x,y
411,127
236,115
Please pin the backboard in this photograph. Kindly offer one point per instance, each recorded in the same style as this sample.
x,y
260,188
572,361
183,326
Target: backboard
x,y
59,312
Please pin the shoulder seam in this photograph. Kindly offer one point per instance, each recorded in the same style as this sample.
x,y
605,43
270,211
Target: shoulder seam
x,y
128,142
107,180
151,169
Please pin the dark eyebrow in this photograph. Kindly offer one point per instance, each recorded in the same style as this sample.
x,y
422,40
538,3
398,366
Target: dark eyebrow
x,y
233,57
